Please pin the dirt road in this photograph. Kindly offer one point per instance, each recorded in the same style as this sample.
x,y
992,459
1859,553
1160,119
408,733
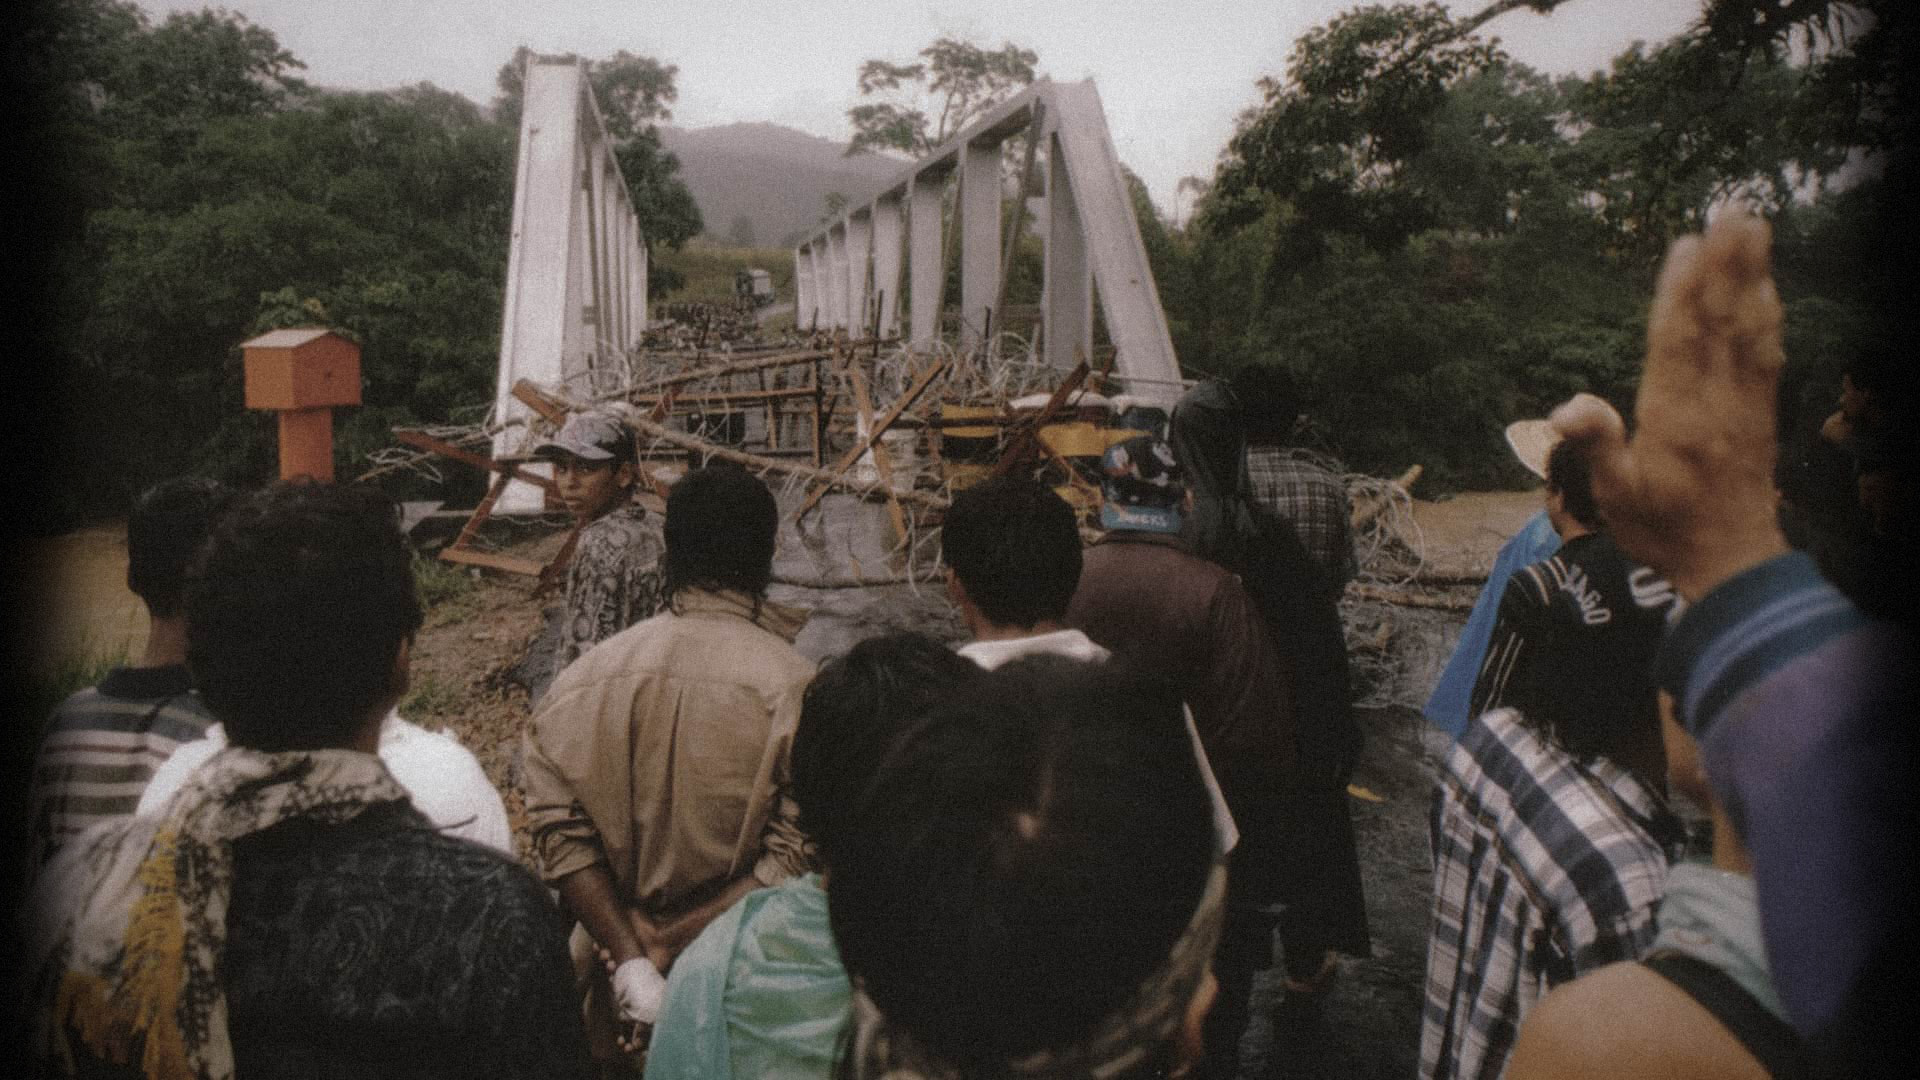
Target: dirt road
x,y
1369,1026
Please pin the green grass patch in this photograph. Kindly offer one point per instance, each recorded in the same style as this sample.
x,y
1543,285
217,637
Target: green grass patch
x,y
709,271
428,697
439,582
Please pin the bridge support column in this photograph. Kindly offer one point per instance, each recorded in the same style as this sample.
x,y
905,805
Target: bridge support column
x,y
927,272
859,262
886,262
979,240
837,276
1068,289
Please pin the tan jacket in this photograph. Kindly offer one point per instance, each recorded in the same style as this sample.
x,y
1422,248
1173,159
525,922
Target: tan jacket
x,y
661,752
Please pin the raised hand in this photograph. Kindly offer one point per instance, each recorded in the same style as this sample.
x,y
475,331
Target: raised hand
x,y
1692,495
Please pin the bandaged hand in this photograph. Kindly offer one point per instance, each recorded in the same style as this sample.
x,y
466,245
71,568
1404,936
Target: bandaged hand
x,y
638,990
1692,495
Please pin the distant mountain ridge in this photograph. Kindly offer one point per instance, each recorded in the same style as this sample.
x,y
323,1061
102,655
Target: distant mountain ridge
x,y
772,176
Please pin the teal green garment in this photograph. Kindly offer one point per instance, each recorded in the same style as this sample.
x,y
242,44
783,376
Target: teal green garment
x,y
760,993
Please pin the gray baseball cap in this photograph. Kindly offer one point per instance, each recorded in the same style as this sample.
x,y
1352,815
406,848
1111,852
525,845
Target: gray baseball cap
x,y
590,436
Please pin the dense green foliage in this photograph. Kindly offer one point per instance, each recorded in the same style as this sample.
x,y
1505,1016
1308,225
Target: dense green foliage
x,y
1437,240
200,193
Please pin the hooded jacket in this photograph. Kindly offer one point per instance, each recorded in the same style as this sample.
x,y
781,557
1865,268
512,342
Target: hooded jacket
x,y
1294,597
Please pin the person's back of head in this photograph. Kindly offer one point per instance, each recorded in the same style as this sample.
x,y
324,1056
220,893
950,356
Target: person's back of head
x,y
1595,699
1209,437
1031,872
1571,479
168,526
852,711
721,527
1015,548
1269,402
297,612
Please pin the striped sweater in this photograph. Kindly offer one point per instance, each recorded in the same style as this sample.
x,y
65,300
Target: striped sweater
x,y
101,747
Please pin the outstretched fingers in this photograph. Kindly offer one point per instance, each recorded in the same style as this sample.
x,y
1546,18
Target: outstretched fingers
x,y
1713,338
1692,494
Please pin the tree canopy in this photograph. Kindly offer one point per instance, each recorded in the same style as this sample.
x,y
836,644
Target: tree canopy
x,y
927,101
1433,237
194,191
1438,240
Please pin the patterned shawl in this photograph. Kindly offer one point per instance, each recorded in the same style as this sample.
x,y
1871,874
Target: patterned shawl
x,y
126,929
1119,1044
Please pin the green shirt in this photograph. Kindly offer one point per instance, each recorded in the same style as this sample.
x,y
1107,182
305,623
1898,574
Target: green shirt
x,y
760,993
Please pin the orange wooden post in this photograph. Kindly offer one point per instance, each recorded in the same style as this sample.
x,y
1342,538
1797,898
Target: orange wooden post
x,y
303,374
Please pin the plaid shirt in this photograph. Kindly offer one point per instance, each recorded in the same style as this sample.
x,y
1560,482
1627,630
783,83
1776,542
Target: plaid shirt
x,y
1544,869
1313,501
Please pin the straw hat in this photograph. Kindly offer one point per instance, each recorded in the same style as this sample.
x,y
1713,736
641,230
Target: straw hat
x,y
1532,441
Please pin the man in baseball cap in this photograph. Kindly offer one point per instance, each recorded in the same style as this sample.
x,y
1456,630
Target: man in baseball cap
x,y
614,578
593,436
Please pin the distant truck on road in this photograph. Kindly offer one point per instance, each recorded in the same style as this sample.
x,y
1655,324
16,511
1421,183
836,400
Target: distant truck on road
x,y
755,286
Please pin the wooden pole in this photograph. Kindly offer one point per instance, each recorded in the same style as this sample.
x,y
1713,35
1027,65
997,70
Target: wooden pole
x,y
880,426
882,467
824,477
1407,598
1024,441
306,443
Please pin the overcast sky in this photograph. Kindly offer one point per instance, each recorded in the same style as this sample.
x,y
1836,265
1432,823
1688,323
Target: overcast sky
x,y
1172,74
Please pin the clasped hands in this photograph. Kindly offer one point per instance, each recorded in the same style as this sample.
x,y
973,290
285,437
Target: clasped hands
x,y
639,982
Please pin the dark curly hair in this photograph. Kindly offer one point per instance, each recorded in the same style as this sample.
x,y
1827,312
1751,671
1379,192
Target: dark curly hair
x,y
1014,546
1024,857
849,716
168,527
295,613
720,531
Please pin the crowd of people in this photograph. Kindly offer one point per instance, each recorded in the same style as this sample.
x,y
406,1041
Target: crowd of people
x,y
1059,849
